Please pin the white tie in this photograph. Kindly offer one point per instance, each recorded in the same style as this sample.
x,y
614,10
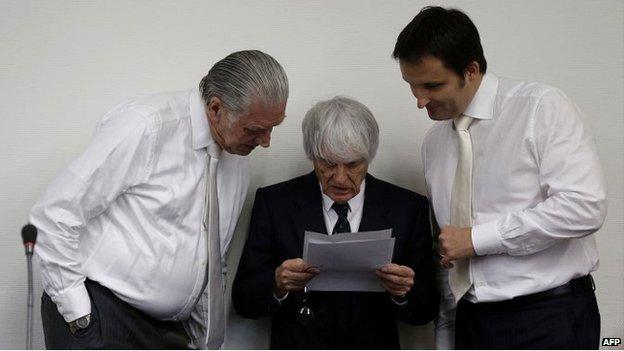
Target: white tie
x,y
461,203
216,311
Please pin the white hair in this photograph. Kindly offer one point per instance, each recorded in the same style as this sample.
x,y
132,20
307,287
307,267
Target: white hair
x,y
340,130
243,77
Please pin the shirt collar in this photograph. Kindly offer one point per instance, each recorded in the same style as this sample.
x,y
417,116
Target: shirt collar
x,y
200,129
356,203
482,104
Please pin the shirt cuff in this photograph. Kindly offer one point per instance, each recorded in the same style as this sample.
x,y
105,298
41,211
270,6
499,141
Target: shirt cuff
x,y
73,303
486,240
280,299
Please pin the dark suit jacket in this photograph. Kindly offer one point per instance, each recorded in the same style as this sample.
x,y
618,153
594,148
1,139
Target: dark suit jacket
x,y
281,214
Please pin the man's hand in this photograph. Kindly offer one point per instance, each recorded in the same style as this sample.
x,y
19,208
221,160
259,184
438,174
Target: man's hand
x,y
398,280
293,275
455,243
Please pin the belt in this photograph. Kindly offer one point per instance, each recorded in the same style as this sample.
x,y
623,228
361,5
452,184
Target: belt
x,y
578,286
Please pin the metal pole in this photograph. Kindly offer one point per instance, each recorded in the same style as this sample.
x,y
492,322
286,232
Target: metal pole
x,y
29,325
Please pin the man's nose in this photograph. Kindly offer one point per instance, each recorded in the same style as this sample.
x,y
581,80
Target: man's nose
x,y
340,173
421,99
422,102
264,139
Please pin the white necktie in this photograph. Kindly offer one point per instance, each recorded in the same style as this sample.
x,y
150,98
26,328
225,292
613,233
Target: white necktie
x,y
461,203
216,311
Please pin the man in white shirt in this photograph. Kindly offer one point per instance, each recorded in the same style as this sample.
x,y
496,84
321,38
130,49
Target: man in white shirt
x,y
340,138
517,189
126,231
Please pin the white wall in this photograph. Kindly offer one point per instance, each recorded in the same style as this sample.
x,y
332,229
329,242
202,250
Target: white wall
x,y
63,64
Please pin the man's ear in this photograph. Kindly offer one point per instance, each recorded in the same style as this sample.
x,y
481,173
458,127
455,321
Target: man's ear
x,y
472,71
214,110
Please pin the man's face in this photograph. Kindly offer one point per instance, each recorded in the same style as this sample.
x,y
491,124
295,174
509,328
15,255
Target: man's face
x,y
341,182
440,89
244,133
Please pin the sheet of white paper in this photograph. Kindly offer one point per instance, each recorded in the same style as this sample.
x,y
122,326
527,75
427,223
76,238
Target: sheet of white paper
x,y
348,261
318,237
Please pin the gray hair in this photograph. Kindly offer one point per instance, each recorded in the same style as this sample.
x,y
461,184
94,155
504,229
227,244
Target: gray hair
x,y
243,77
340,130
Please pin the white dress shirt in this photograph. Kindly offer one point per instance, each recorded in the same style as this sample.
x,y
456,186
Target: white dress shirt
x,y
538,189
354,216
127,213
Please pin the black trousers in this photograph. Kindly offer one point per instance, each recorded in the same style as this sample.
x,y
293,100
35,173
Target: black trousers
x,y
548,321
114,325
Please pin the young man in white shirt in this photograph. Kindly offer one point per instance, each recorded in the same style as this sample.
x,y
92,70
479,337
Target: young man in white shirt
x,y
517,189
133,234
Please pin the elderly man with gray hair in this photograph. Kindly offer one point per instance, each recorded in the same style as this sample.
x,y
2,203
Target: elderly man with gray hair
x,y
134,232
340,138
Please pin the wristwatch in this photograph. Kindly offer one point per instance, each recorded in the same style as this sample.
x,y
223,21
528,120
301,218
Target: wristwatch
x,y
80,323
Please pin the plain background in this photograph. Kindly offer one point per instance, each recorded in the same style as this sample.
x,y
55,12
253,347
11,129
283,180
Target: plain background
x,y
63,64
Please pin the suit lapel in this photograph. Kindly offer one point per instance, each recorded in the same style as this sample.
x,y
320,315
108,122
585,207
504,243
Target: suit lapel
x,y
308,214
374,212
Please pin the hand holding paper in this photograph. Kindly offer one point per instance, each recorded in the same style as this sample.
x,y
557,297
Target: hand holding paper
x,y
398,280
293,275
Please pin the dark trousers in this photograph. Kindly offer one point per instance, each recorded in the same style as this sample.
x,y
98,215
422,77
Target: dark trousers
x,y
568,320
114,325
